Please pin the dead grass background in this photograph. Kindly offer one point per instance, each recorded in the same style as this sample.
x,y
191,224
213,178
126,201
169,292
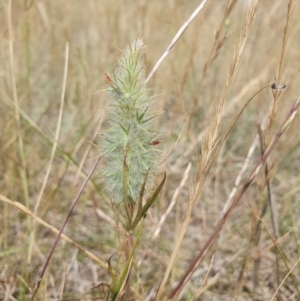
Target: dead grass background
x,y
239,266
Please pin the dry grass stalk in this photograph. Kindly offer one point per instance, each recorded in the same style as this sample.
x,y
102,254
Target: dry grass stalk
x,y
176,38
205,112
247,183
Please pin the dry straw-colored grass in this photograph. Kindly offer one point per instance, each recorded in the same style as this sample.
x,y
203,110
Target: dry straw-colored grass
x,y
220,116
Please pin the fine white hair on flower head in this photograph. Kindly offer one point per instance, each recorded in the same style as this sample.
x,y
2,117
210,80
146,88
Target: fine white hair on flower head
x,y
127,142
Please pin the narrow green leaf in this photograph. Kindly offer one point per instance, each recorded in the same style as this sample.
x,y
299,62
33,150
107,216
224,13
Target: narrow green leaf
x,y
154,196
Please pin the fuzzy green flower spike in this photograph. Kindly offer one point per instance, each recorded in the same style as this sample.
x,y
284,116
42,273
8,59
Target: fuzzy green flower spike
x,y
127,144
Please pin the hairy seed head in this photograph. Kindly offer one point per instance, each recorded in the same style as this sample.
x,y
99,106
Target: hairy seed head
x,y
127,141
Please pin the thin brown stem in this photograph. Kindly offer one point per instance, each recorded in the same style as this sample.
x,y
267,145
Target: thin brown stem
x,y
62,229
237,199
